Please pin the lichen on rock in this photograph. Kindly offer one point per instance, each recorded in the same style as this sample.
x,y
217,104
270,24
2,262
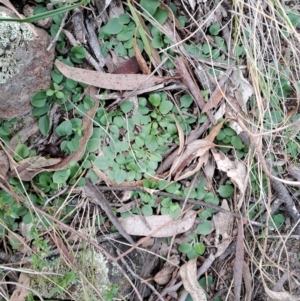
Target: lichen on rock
x,y
94,269
13,35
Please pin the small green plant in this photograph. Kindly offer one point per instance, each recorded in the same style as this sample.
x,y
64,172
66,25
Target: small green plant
x,y
111,293
11,212
227,136
5,129
193,248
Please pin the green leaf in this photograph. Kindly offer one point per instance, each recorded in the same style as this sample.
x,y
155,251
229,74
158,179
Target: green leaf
x,y
61,176
150,6
121,50
214,29
21,152
161,15
165,107
124,18
229,132
126,106
39,99
101,163
73,144
27,218
120,176
225,191
199,248
125,35
186,100
44,125
185,248
155,99
139,141
93,144
204,228
277,220
151,143
41,111
88,102
237,142
113,26
64,129
157,42
147,210
155,157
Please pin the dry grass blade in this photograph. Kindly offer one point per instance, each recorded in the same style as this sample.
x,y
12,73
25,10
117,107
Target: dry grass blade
x,y
238,262
215,99
140,59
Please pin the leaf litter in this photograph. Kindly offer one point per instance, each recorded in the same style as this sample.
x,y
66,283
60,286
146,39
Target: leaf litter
x,y
191,156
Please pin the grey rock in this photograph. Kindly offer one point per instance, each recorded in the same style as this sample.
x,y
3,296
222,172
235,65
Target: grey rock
x,y
25,65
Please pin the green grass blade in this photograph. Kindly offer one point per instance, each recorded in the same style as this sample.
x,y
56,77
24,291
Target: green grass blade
x,y
44,15
140,29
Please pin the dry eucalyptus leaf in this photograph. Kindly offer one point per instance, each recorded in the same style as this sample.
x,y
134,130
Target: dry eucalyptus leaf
x,y
103,80
245,88
164,276
195,149
188,273
215,99
222,224
21,291
140,59
39,162
236,171
135,225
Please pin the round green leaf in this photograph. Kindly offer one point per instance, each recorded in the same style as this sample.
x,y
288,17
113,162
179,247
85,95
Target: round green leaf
x,y
79,52
186,100
39,99
157,42
204,228
185,248
113,26
150,6
147,210
120,176
214,29
41,111
44,125
21,152
225,191
161,15
93,144
101,163
64,129
61,176
165,107
124,18
237,142
199,248
121,50
126,106
155,99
